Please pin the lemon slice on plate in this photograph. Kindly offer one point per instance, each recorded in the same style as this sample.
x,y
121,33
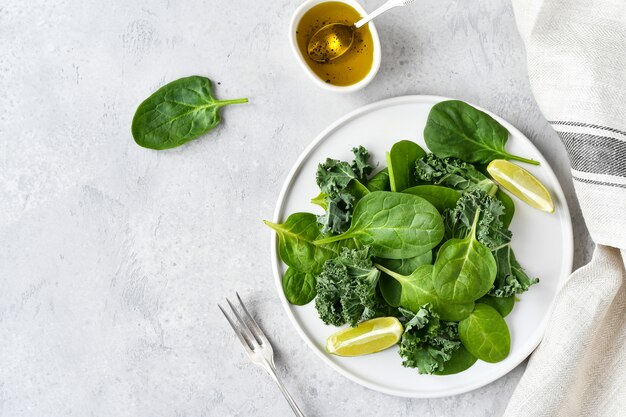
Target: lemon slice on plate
x,y
522,184
368,337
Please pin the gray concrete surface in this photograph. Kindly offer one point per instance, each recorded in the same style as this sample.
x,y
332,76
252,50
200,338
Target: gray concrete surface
x,y
113,257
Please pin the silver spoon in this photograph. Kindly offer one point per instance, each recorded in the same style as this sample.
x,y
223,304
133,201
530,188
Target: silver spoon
x,y
335,39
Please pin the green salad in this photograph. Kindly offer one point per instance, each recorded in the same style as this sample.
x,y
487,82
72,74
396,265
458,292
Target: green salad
x,y
425,240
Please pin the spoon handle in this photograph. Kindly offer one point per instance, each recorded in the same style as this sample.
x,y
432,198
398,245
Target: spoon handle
x,y
382,9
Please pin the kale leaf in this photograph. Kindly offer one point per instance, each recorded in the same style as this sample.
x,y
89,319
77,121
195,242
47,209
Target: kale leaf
x,y
427,342
341,184
347,289
510,278
452,173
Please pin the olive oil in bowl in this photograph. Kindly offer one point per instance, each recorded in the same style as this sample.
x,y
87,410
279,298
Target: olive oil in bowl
x,y
353,66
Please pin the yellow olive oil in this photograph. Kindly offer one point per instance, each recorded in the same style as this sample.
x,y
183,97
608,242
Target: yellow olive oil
x,y
356,63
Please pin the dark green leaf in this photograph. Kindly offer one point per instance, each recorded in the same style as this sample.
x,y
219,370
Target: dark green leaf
x,y
299,287
504,305
509,207
379,182
511,278
346,289
460,361
441,197
453,173
485,334
464,269
395,225
177,113
295,243
417,289
456,129
342,185
401,164
427,342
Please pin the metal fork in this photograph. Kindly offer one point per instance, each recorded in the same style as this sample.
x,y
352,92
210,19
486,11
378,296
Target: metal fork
x,y
257,347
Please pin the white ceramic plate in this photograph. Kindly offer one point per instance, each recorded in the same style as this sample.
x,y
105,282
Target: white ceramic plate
x,y
543,245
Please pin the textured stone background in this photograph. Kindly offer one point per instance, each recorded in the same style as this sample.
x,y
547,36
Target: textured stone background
x,y
113,257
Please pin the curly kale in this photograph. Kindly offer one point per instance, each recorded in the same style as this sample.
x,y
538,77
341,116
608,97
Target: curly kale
x,y
341,185
346,289
490,230
452,173
510,276
427,342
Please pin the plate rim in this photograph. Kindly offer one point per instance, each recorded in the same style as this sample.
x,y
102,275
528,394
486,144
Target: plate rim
x,y
566,262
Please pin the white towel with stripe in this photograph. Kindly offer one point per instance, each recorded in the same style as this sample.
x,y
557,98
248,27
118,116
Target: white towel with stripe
x,y
576,53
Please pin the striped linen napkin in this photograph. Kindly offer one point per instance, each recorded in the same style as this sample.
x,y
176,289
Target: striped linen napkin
x,y
576,53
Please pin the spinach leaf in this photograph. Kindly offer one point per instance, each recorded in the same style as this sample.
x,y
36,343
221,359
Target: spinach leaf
x,y
509,207
460,361
177,113
417,289
390,289
453,173
441,197
464,269
342,185
346,289
485,334
401,164
321,200
490,231
455,128
299,287
395,225
504,305
408,265
427,342
379,182
295,243
511,278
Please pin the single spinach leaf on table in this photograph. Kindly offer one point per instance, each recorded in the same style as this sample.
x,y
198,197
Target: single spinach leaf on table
x,y
299,287
379,182
456,129
504,305
395,225
401,164
464,269
177,113
459,361
441,197
485,334
417,289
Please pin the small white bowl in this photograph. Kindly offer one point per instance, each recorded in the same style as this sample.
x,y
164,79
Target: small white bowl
x,y
295,20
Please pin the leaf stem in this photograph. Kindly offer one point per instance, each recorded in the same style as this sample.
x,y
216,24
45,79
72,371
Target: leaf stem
x,y
331,239
222,103
519,158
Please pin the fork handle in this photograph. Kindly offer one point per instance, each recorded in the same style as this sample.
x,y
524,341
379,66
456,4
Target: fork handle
x,y
271,369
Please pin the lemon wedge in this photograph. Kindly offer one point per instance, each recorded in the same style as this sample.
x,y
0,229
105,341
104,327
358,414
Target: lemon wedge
x,y
368,337
522,184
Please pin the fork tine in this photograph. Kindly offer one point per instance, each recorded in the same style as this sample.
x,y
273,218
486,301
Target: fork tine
x,y
242,339
257,329
249,335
